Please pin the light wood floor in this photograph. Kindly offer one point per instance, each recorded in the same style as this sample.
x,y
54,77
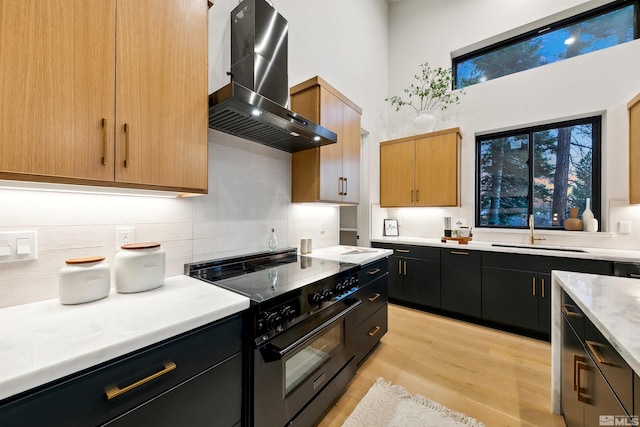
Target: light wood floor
x,y
498,378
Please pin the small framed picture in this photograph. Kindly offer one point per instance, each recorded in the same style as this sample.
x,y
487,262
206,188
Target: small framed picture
x,y
391,227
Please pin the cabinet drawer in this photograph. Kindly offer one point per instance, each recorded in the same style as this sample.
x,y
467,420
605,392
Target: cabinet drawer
x,y
573,314
369,333
373,296
412,251
616,371
372,271
82,399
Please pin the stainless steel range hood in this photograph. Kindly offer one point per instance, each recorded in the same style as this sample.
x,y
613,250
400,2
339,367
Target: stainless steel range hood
x,y
255,104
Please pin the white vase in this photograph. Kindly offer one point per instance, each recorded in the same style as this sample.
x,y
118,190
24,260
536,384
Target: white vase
x,y
424,122
587,215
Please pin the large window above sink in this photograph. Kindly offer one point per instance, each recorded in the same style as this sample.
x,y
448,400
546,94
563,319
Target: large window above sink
x,y
539,170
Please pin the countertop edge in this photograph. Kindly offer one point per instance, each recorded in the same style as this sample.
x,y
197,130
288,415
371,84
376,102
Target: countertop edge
x,y
592,253
29,378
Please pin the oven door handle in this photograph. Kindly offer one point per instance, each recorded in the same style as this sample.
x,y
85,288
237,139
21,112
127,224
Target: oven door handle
x,y
271,353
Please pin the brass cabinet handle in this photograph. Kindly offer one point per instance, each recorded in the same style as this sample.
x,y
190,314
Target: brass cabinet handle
x,y
405,268
580,365
126,147
592,347
104,141
372,272
374,297
116,391
533,286
459,253
542,287
403,251
412,196
570,313
400,267
374,331
417,198
576,359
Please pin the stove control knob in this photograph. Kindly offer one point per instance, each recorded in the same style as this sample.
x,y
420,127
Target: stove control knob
x,y
315,299
288,314
274,321
326,295
353,282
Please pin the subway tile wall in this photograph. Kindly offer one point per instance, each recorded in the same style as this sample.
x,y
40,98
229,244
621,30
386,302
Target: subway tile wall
x,y
249,193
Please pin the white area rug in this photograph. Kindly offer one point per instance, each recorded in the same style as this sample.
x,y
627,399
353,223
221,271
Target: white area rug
x,y
387,405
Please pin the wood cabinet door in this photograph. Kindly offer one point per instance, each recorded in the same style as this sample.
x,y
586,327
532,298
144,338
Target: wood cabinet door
x,y
634,150
331,117
437,170
56,80
351,155
161,93
397,174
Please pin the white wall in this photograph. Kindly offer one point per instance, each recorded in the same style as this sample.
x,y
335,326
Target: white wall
x,y
249,184
600,82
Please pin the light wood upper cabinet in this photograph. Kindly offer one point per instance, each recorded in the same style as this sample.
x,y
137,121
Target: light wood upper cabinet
x,y
330,173
57,74
74,73
634,150
421,170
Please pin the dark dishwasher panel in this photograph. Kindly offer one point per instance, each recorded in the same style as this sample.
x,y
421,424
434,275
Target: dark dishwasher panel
x,y
627,269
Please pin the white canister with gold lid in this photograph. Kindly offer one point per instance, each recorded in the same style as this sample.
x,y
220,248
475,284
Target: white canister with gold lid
x,y
139,267
83,280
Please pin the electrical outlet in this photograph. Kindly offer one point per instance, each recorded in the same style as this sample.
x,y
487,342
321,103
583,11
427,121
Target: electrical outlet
x,y
624,227
124,235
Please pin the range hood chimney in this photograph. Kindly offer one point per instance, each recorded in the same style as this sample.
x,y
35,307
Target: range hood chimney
x,y
255,104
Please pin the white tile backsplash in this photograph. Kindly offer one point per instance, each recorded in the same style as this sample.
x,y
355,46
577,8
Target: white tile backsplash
x,y
249,193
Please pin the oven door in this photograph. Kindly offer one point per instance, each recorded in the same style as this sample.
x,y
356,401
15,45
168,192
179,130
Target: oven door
x,y
293,367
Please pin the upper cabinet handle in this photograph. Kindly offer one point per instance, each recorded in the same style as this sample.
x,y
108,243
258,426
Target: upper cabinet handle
x,y
126,147
104,141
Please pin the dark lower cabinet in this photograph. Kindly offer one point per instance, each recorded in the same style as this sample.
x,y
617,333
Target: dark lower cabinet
x,y
460,281
414,275
371,316
589,393
193,379
517,298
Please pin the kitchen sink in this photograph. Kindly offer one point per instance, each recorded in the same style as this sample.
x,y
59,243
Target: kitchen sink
x,y
542,248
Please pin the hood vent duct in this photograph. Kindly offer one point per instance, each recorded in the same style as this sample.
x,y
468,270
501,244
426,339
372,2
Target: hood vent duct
x,y
255,104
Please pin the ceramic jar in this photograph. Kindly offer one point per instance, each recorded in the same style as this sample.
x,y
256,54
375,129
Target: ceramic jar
x,y
83,280
139,267
573,223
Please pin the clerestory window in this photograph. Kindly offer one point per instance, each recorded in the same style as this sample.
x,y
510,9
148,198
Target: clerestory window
x,y
596,29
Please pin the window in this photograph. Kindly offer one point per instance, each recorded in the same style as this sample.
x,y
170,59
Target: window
x,y
597,29
540,170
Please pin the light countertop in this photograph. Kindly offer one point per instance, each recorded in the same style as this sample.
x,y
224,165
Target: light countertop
x,y
554,251
352,254
45,341
613,306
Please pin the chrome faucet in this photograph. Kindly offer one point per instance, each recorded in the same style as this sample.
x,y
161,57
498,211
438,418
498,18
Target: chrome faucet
x,y
532,237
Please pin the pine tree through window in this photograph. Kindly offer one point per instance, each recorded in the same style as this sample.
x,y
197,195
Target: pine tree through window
x,y
540,170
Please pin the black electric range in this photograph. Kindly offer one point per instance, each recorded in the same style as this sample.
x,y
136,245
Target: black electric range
x,y
284,287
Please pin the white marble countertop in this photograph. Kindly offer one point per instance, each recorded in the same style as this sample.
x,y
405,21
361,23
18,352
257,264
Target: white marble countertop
x,y
613,306
44,341
555,251
352,254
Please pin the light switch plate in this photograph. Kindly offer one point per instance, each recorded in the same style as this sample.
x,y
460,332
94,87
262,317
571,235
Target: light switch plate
x,y
26,241
624,227
124,236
